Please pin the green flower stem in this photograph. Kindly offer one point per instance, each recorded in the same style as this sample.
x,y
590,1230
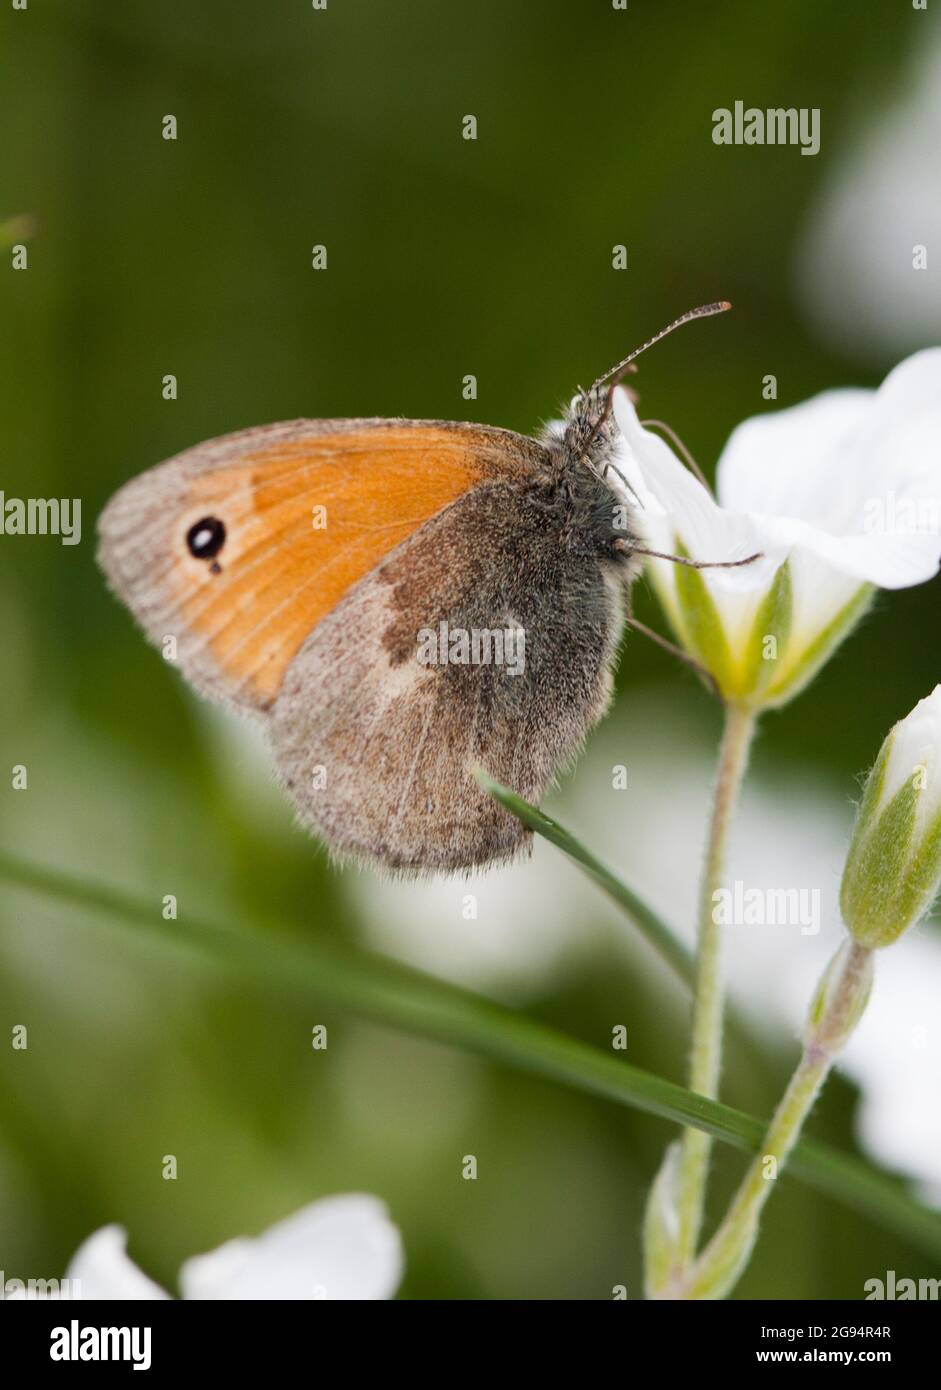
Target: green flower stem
x,y
706,1049
726,1255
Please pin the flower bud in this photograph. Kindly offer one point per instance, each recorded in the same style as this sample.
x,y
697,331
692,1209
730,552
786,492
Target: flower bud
x,y
840,1000
894,863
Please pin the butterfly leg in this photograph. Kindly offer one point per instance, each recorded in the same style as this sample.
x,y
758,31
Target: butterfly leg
x,y
668,646
680,447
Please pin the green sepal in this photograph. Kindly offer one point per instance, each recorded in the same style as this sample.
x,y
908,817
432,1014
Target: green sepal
x,y
865,812
920,883
702,625
794,679
875,893
772,620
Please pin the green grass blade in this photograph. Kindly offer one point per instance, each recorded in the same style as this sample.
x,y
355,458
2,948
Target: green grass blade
x,y
660,936
399,996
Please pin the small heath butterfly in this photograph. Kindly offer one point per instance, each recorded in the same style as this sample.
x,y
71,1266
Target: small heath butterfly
x,y
401,602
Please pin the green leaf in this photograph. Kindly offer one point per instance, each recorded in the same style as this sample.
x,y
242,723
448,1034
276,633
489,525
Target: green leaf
x,y
404,998
673,951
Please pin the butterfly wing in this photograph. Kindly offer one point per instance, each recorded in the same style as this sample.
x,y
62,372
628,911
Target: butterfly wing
x,y
378,747
236,549
297,568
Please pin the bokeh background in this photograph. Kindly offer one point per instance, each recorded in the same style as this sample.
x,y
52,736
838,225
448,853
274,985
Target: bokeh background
x,y
446,257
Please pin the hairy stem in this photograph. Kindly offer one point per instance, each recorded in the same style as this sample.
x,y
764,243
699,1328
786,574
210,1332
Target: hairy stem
x,y
726,1255
706,1048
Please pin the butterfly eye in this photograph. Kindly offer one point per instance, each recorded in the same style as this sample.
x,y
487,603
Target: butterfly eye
x,y
206,538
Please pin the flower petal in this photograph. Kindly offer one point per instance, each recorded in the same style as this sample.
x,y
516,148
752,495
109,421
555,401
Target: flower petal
x,y
903,441
341,1247
781,464
916,747
100,1268
684,508
889,559
849,462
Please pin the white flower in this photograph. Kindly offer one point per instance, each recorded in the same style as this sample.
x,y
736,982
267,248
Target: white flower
x,y
840,495
341,1247
894,863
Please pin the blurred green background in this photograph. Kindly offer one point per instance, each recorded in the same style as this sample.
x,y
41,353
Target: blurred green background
x,y
446,257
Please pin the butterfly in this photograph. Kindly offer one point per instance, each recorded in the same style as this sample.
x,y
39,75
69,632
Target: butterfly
x,y
402,603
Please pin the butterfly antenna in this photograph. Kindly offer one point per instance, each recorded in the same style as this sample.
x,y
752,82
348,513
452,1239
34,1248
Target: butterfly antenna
x,y
628,548
704,311
612,377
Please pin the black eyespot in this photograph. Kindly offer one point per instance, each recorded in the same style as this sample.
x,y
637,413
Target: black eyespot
x,y
206,538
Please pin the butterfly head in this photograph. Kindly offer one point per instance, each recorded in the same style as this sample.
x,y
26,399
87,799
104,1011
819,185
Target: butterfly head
x,y
588,437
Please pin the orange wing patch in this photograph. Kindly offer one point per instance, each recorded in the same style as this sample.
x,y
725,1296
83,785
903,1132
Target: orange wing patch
x,y
285,563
